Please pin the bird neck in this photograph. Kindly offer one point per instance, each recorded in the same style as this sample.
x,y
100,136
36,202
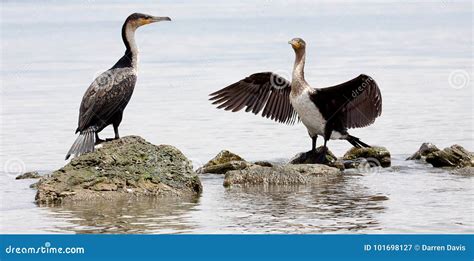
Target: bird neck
x,y
298,69
128,36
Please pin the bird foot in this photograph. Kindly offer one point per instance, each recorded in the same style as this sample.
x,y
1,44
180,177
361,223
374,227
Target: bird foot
x,y
111,139
98,141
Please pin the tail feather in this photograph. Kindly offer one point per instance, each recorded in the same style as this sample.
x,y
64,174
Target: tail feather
x,y
356,142
83,144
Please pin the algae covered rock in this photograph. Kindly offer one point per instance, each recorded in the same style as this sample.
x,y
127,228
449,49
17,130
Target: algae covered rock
x,y
425,149
223,162
289,174
129,166
378,155
29,175
454,156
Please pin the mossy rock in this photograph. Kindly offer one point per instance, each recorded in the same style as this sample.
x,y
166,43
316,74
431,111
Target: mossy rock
x,y
454,156
223,162
380,155
29,175
129,166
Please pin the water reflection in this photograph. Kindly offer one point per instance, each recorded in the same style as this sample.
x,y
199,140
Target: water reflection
x,y
337,206
129,216
340,205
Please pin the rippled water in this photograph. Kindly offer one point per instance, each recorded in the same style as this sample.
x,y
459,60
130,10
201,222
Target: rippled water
x,y
418,53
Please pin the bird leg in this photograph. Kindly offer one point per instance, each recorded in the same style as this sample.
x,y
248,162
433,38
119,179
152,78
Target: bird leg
x,y
117,136
322,154
313,147
97,139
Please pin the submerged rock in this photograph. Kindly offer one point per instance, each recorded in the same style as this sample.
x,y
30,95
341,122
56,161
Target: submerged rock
x,y
466,171
454,156
127,167
29,175
223,162
379,155
425,149
289,174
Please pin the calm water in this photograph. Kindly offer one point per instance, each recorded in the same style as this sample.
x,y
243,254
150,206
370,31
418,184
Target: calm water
x,y
420,54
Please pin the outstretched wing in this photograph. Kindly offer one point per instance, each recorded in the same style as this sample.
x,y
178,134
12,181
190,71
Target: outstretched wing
x,y
109,93
266,90
356,103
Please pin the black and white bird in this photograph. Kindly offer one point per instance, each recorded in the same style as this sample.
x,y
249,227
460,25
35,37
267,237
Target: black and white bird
x,y
108,95
327,112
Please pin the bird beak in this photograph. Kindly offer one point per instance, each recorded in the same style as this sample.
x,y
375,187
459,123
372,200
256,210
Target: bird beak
x,y
159,19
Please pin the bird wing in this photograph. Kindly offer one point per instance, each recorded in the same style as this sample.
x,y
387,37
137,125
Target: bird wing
x,y
265,90
357,103
109,92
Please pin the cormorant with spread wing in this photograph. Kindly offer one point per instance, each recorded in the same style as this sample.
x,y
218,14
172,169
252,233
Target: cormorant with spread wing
x,y
327,112
108,95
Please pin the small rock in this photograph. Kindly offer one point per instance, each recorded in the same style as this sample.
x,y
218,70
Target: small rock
x,y
223,162
466,171
425,149
313,157
379,155
29,175
454,156
355,163
263,163
289,174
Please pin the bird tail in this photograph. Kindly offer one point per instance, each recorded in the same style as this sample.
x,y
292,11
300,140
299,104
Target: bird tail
x,y
356,142
83,144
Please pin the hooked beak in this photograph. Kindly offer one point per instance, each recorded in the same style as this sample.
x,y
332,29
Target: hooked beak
x,y
160,18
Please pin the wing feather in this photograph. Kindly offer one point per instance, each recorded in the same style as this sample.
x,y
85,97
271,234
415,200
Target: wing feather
x,y
256,93
356,103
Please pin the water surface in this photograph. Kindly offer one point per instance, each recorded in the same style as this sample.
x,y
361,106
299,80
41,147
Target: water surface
x,y
50,56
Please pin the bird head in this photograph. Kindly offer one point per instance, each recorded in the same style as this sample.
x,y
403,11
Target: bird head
x,y
297,44
136,19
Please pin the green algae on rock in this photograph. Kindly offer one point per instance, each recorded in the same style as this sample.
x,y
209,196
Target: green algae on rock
x,y
29,175
454,156
379,154
223,162
129,167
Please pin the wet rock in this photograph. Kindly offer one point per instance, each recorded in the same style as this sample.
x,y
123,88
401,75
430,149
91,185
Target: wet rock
x,y
263,163
425,149
379,156
128,167
29,175
355,163
223,162
289,174
466,171
454,156
313,157
317,157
